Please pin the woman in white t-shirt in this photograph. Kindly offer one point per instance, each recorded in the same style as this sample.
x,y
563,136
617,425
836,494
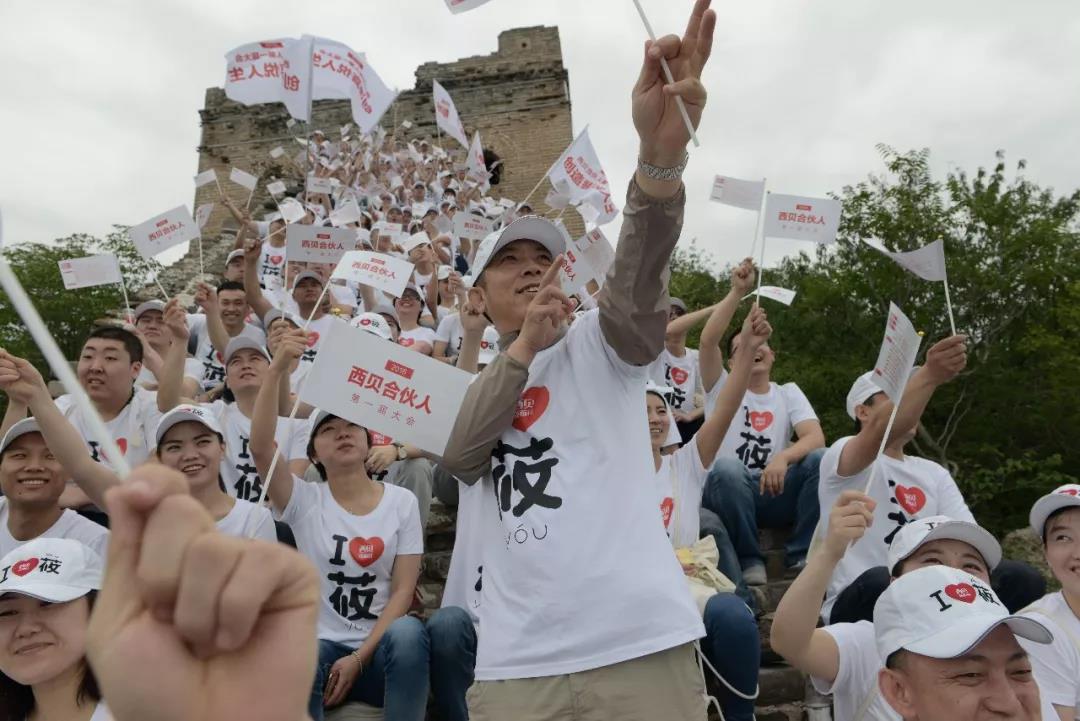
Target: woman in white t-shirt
x,y
45,604
1056,519
732,644
366,540
413,336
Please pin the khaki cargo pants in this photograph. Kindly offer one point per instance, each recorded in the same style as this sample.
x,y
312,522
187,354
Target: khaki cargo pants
x,y
664,686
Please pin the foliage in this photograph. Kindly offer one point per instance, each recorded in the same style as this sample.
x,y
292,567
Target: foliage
x,y
1005,427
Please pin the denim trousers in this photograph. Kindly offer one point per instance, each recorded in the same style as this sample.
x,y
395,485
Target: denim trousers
x,y
453,659
396,679
733,646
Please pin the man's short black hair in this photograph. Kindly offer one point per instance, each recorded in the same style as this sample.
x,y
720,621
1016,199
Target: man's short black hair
x,y
231,285
129,339
897,660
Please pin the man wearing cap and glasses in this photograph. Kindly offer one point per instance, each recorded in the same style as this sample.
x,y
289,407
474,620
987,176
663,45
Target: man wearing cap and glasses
x,y
557,421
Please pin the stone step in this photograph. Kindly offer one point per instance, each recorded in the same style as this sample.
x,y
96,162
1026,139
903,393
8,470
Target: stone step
x,y
780,712
780,684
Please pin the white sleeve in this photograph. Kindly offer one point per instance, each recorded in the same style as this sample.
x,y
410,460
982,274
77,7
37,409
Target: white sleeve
x,y
303,501
1056,665
950,501
298,439
442,333
410,532
856,675
831,461
798,407
585,341
193,369
689,468
264,525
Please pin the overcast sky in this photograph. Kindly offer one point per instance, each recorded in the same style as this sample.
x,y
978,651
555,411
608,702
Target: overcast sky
x,y
99,119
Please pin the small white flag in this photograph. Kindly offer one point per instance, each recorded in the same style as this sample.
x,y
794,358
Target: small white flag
x,y
597,249
406,124
927,262
460,6
271,71
163,232
800,218
740,193
277,152
276,188
90,271
202,214
576,271
472,227
240,177
476,168
446,115
291,122
347,213
315,184
291,210
897,356
205,178
772,292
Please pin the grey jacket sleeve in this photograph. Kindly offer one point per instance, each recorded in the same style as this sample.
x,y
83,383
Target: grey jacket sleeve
x,y
634,302
487,411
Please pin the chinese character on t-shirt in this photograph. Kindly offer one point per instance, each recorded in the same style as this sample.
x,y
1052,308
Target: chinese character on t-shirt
x,y
351,597
756,448
508,480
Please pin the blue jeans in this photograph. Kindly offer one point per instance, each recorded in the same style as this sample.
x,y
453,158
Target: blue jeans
x,y
733,492
396,680
728,563
733,647
453,659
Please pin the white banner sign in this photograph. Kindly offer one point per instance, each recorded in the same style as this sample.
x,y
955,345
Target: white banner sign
x,y
89,271
317,243
579,168
316,184
379,270
460,6
270,71
897,356
772,292
927,262
163,232
597,249
740,193
473,227
243,178
446,115
799,218
575,272
347,213
386,388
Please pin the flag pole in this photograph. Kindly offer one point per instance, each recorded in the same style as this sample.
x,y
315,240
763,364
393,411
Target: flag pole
x,y
760,213
948,300
127,303
668,76
761,262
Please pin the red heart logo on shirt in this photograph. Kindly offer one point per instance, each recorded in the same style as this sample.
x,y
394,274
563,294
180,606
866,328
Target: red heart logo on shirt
x,y
378,439
121,443
22,568
366,551
910,499
961,592
276,259
313,338
761,421
1070,492
406,341
530,406
679,376
666,508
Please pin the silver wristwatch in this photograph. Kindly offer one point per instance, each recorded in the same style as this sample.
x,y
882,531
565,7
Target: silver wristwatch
x,y
657,173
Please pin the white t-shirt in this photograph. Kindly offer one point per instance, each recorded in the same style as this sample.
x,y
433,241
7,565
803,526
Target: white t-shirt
x,y
318,330
450,332
763,425
133,429
464,579
904,490
681,373
353,554
248,520
420,334
1057,664
857,676
146,379
271,266
579,559
238,471
679,484
69,525
211,358
343,295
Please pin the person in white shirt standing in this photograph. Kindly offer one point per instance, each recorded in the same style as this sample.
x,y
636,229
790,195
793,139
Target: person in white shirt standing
x,y
556,421
677,367
1055,518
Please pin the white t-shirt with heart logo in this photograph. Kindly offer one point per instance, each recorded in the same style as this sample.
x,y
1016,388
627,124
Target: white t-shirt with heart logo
x,y
420,334
353,554
271,266
578,573
133,428
317,331
464,578
904,490
682,373
679,484
1056,664
764,423
248,520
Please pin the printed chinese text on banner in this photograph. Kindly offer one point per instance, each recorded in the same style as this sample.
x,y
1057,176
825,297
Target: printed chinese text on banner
x,y
927,262
90,271
163,232
317,243
473,227
897,355
597,249
772,292
271,71
386,388
378,270
460,6
740,193
579,167
799,218
446,114
340,72
575,272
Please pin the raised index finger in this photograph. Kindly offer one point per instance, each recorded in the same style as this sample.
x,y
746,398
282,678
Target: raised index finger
x,y
551,275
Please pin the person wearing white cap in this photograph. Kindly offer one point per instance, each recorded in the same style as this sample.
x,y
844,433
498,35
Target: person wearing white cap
x,y
951,652
48,588
420,252
449,292
556,421
449,334
366,540
150,327
225,313
264,254
234,266
1055,518
415,334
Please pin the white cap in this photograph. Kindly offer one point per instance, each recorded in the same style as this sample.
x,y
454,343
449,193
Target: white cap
x,y
489,345
149,305
56,570
373,323
861,389
275,313
921,531
415,241
303,275
531,227
241,342
238,253
443,272
941,612
183,413
1061,497
19,428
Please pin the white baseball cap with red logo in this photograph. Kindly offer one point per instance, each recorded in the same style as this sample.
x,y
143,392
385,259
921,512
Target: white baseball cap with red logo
x,y
530,227
1061,497
916,534
183,413
56,570
373,323
489,345
942,612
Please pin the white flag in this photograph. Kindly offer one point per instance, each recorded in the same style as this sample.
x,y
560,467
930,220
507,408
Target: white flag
x,y
271,71
576,271
163,232
927,262
460,6
446,115
597,249
205,178
347,213
799,218
780,295
291,210
277,152
315,184
276,188
897,355
318,244
202,214
385,387
340,72
89,271
579,168
378,270
740,193
476,168
473,227
240,177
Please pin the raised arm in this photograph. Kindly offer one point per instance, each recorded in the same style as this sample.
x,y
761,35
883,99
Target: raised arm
x,y
634,304
685,323
171,379
710,354
264,420
473,324
206,298
252,292
21,381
